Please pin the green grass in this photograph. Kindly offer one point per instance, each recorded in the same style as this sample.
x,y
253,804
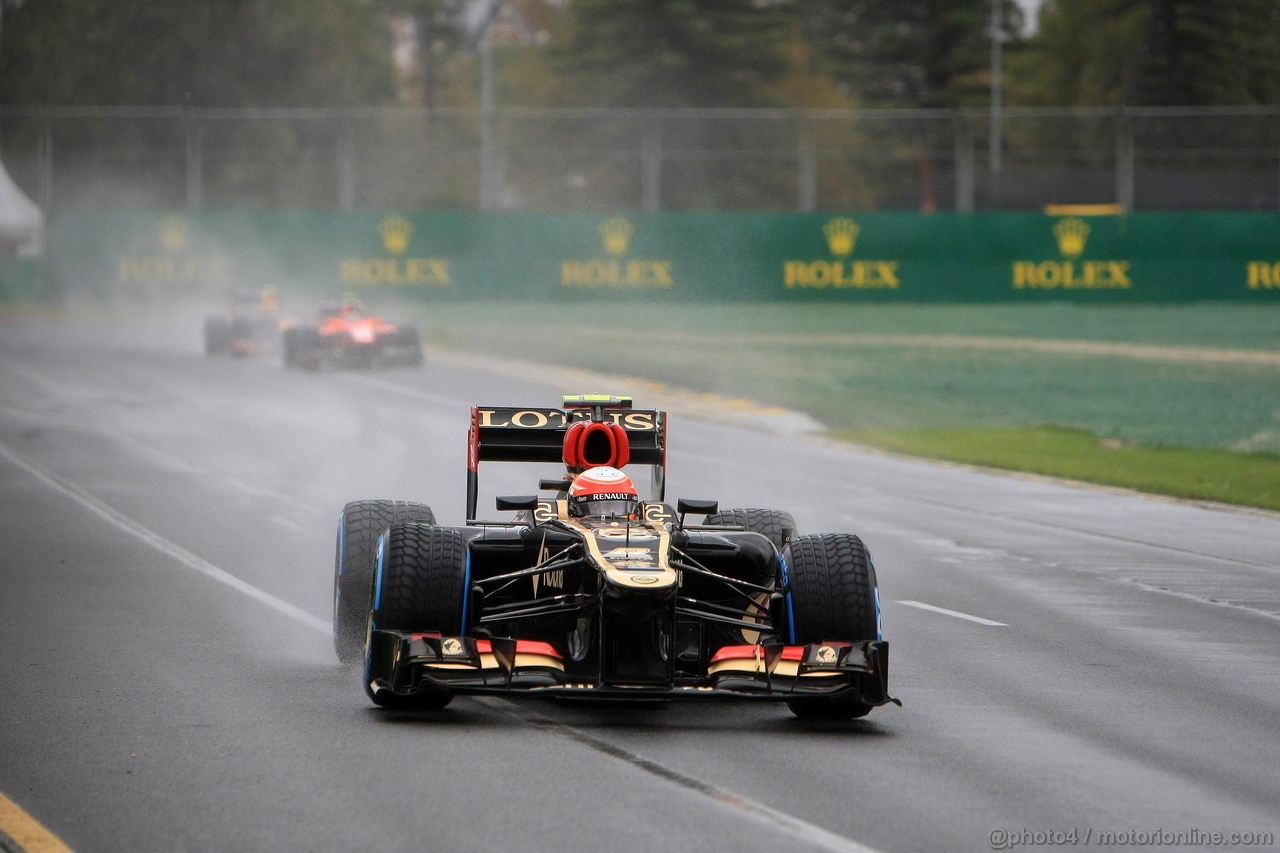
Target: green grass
x,y
1214,475
968,382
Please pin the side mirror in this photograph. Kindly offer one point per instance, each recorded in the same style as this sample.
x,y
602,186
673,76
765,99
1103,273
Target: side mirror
x,y
515,503
696,507
554,485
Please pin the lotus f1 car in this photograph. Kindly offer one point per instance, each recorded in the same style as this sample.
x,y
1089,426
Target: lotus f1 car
x,y
630,605
343,335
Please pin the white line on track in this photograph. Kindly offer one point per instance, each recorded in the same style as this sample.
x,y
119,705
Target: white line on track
x,y
404,390
155,540
920,605
799,829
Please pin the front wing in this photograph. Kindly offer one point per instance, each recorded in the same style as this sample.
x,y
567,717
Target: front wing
x,y
409,664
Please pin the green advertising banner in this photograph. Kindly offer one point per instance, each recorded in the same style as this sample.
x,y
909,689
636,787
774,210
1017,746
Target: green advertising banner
x,y
905,257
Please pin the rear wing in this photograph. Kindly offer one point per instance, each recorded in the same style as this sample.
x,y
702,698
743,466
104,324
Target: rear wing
x,y
537,434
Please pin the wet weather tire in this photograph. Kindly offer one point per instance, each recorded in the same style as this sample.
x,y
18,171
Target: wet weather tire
x,y
359,526
833,597
773,524
423,572
420,588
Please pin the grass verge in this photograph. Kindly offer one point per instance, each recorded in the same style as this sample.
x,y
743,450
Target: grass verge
x,y
1214,475
1178,400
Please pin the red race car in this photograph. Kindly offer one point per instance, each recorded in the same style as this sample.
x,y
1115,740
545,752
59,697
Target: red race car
x,y
343,335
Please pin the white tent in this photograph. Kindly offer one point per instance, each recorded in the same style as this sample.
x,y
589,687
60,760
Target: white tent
x,y
21,222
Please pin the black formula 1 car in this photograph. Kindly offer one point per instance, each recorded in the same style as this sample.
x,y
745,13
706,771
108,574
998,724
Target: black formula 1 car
x,y
252,326
634,606
343,335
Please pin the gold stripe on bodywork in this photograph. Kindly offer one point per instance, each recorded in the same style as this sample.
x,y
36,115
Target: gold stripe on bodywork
x,y
663,577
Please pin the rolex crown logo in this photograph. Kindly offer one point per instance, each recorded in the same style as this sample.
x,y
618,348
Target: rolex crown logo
x,y
842,235
1071,234
173,232
395,231
617,235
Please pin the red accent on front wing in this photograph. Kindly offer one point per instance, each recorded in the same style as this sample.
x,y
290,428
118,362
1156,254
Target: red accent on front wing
x,y
527,647
788,652
731,652
484,647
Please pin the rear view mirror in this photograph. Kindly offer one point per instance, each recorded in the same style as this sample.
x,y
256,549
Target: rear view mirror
x,y
514,503
697,507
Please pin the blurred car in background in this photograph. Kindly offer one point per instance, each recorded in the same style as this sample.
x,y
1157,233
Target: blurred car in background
x,y
252,326
344,335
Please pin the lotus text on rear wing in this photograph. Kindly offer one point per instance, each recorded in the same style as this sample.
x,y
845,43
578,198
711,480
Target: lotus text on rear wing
x,y
547,418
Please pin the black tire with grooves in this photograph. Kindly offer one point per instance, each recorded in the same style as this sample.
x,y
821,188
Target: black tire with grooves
x,y
423,575
359,526
423,572
833,597
774,524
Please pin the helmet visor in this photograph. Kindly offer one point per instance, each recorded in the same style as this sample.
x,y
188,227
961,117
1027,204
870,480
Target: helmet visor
x,y
601,508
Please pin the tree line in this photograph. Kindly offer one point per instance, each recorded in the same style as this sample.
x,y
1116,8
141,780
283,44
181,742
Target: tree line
x,y
639,53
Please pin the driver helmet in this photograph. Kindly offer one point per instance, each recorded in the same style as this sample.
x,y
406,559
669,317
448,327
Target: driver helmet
x,y
602,491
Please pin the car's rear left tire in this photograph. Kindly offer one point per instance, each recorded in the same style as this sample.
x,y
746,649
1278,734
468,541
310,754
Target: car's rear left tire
x,y
832,584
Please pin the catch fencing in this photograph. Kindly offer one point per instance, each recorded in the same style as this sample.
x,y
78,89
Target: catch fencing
x,y
590,160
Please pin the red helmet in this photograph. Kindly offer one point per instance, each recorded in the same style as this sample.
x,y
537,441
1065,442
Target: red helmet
x,y
602,491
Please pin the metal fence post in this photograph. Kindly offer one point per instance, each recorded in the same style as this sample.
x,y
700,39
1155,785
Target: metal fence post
x,y
650,163
346,151
965,166
1124,159
44,166
195,163
806,166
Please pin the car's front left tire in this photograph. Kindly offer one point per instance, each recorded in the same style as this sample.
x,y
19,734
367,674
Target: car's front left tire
x,y
359,526
833,592
418,587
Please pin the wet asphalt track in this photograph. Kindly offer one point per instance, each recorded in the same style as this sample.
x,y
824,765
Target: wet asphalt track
x,y
167,681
